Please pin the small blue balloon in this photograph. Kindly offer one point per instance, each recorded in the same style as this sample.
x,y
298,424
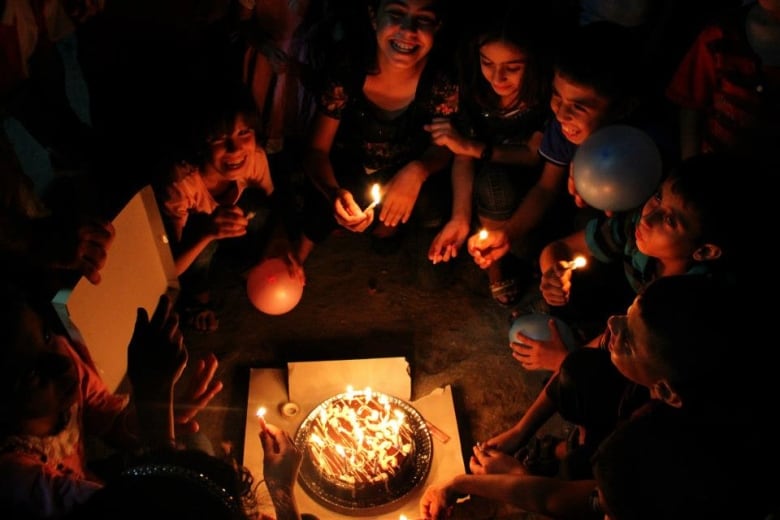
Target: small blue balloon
x,y
535,327
617,168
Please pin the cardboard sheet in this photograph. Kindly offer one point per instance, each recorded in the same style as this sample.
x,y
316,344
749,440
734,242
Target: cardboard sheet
x,y
312,383
387,375
139,268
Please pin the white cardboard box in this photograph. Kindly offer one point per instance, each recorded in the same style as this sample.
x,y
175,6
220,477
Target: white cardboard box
x,y
139,269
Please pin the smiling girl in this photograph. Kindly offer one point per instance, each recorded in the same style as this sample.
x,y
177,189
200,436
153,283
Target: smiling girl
x,y
505,84
225,193
369,128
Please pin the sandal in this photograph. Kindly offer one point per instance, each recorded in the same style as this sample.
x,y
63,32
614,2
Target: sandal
x,y
200,316
505,292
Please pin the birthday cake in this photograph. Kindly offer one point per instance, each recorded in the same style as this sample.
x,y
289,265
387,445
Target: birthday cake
x,y
361,448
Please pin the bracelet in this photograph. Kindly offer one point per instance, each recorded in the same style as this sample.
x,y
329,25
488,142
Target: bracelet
x,y
487,153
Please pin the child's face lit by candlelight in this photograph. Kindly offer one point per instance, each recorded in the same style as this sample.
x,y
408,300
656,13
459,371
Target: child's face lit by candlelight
x,y
405,30
503,66
229,153
668,228
578,108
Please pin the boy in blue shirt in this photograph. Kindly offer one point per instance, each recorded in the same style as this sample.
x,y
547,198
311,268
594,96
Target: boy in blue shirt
x,y
594,85
687,227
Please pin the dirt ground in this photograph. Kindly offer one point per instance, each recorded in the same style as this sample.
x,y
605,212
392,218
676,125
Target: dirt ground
x,y
358,303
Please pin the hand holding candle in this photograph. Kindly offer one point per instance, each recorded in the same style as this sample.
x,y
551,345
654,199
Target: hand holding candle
x,y
576,263
488,246
376,195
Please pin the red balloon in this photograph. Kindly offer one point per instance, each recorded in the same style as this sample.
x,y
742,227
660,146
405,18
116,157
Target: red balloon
x,y
271,289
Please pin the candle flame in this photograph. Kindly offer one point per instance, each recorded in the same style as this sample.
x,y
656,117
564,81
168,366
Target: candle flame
x,y
483,234
579,261
375,193
261,412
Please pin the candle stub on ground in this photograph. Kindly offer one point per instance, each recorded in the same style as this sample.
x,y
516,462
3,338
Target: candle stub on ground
x,y
290,409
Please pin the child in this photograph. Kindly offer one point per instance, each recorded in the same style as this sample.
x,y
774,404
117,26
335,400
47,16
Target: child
x,y
227,193
686,227
191,483
369,129
274,67
504,83
53,398
594,84
652,467
666,345
727,86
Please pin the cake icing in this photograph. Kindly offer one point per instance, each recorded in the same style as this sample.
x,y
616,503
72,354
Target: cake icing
x,y
360,441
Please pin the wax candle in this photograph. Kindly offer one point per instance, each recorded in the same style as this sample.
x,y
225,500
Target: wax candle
x,y
261,417
376,195
579,261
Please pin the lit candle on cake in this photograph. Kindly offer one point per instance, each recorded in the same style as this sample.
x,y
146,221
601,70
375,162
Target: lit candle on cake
x,y
261,417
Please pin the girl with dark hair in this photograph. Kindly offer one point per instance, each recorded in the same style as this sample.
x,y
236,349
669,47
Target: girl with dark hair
x,y
505,94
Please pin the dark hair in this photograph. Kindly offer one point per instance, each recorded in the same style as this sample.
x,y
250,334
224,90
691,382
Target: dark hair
x,y
604,56
174,484
368,47
15,299
705,183
691,322
217,106
516,26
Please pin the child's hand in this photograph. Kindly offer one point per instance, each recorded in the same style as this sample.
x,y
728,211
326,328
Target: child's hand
x,y
556,285
447,242
227,222
572,188
199,393
400,196
489,249
437,502
487,460
348,214
443,133
506,441
281,458
156,356
85,253
539,354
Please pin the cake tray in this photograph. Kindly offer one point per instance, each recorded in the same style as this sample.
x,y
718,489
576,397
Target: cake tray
x,y
378,503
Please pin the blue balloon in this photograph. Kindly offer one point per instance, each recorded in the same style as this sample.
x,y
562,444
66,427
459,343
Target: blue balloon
x,y
617,168
535,327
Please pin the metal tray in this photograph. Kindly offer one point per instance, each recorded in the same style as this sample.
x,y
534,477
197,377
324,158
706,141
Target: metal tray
x,y
361,504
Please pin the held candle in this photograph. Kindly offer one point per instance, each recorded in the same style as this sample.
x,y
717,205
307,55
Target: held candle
x,y
376,195
483,234
261,417
579,261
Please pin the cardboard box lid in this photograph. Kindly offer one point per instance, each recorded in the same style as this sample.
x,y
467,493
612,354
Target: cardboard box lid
x,y
139,268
